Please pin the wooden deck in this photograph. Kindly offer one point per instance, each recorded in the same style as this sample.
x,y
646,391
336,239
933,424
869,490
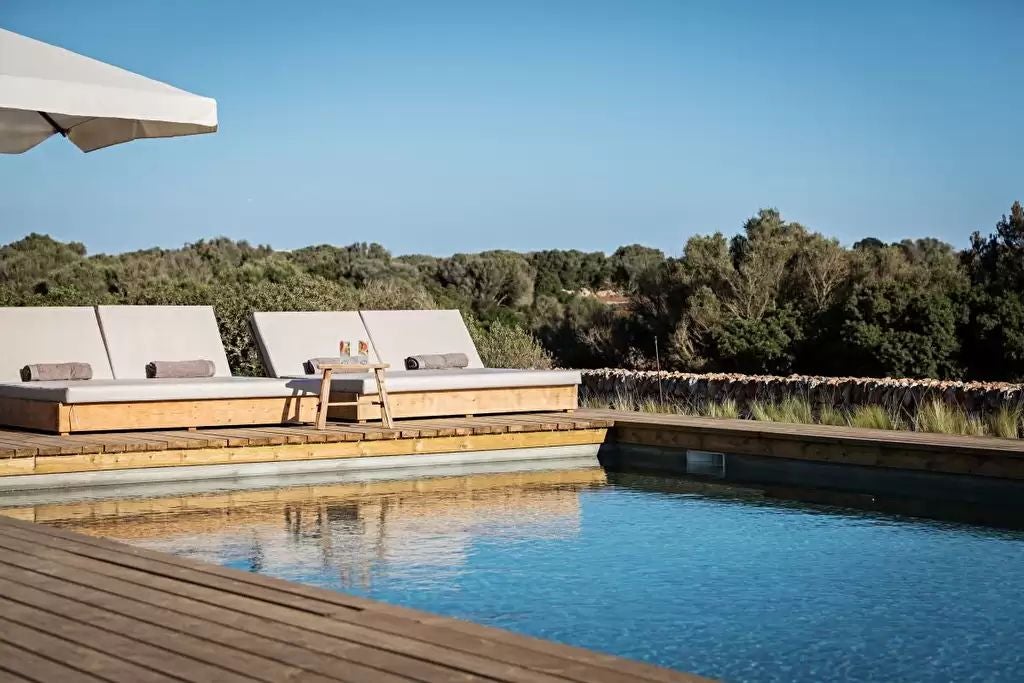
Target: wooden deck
x,y
24,452
973,455
78,608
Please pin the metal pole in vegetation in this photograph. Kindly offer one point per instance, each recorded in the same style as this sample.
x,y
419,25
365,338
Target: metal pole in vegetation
x,y
657,365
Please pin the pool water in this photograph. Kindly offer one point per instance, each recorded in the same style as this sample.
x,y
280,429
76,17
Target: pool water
x,y
708,579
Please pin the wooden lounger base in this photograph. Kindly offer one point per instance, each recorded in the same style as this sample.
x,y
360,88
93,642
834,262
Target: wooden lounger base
x,y
456,402
64,418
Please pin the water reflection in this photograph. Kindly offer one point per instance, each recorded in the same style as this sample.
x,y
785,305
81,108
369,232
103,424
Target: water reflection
x,y
725,581
349,530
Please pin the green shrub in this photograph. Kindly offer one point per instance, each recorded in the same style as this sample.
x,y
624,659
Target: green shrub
x,y
652,405
623,401
792,409
385,295
503,345
796,410
760,410
829,415
728,409
874,417
1005,422
939,417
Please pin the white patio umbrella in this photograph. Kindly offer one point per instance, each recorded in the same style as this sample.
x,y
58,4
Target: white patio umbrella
x,y
46,89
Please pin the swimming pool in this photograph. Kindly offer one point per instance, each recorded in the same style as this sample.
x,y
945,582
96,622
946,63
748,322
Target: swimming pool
x,y
705,578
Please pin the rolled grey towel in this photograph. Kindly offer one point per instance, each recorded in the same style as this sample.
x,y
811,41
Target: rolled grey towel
x,y
312,366
436,361
41,372
180,369
455,360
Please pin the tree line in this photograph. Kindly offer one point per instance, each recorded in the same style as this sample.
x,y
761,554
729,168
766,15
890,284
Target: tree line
x,y
774,298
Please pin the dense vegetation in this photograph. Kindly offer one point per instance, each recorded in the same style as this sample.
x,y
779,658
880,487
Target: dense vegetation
x,y
775,298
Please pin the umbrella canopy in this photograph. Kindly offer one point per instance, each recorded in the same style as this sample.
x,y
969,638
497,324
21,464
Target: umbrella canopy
x,y
46,89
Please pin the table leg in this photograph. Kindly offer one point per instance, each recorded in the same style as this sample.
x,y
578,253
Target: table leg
x,y
325,398
382,394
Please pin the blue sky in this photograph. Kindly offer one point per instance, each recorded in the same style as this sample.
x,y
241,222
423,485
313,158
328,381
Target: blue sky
x,y
435,127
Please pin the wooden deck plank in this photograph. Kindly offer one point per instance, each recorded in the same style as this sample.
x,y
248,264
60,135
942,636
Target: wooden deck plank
x,y
233,439
81,657
459,660
54,445
290,436
203,649
551,423
87,444
20,444
68,618
442,427
202,440
429,427
479,425
123,442
228,607
474,644
25,665
18,449
217,624
367,432
257,437
368,637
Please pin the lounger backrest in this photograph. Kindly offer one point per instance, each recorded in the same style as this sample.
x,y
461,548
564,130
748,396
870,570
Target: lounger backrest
x,y
50,334
399,334
287,339
136,335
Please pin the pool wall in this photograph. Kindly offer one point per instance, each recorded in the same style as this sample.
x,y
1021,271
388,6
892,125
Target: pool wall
x,y
955,497
876,449
577,452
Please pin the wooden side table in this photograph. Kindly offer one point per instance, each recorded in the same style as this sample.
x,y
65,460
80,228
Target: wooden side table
x,y
325,390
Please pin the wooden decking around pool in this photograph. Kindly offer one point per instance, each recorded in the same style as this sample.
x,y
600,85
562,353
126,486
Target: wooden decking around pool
x,y
24,452
78,608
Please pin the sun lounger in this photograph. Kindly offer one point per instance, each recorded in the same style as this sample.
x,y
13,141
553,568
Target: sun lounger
x,y
51,334
288,339
118,342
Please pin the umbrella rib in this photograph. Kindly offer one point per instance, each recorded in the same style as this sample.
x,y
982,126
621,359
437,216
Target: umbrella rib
x,y
53,124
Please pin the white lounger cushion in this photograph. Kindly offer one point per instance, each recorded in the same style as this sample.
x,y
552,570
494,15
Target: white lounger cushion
x,y
287,339
50,334
138,390
447,380
136,335
396,335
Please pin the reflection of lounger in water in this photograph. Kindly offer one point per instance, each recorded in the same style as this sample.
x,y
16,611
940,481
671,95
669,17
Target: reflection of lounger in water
x,y
288,340
422,522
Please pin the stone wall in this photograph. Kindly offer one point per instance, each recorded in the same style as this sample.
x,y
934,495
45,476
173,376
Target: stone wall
x,y
839,392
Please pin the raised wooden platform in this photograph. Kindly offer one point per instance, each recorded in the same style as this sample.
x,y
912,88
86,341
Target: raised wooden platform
x,y
78,608
33,453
